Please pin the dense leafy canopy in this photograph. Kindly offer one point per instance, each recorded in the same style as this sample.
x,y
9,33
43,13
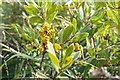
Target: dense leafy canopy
x,y
85,42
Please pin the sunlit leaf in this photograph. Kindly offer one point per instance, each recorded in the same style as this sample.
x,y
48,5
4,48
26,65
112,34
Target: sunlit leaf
x,y
74,22
51,10
36,19
80,36
31,6
52,56
91,51
54,59
114,16
69,51
67,61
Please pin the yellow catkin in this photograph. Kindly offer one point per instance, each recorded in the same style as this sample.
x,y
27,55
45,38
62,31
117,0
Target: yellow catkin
x,y
46,34
57,46
41,49
57,34
77,47
46,46
46,26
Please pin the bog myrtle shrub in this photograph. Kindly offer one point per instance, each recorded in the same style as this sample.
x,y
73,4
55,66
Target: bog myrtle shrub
x,y
57,40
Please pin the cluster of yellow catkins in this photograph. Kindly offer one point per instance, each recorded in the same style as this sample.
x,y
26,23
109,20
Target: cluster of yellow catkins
x,y
47,34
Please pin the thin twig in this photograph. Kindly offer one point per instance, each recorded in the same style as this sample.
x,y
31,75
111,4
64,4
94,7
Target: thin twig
x,y
6,66
69,39
42,59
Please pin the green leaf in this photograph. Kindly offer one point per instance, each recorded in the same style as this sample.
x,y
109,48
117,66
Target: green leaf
x,y
89,10
69,75
105,29
28,9
81,12
68,52
80,4
74,55
74,22
80,36
54,59
44,5
67,32
52,56
86,28
51,10
101,4
31,6
31,48
112,4
88,43
36,19
51,48
33,35
41,75
36,41
114,16
49,4
24,35
100,16
52,16
91,51
22,55
17,27
114,61
67,61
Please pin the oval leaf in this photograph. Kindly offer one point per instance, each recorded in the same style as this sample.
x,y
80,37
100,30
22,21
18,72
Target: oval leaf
x,y
74,22
52,56
50,48
31,6
54,59
67,32
67,61
36,19
68,52
51,10
102,4
30,11
80,36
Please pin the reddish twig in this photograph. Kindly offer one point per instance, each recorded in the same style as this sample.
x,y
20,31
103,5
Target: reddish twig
x,y
42,59
69,39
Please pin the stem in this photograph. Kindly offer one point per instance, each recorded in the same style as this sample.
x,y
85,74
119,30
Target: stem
x,y
59,73
70,39
42,59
